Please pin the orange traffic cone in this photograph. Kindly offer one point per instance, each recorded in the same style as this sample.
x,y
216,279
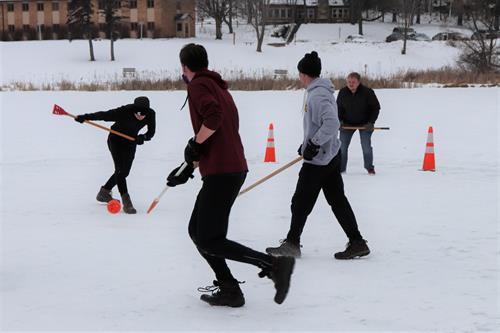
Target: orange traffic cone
x,y
270,151
429,160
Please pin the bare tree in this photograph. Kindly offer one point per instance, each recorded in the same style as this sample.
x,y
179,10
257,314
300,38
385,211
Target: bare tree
x,y
217,9
259,12
408,8
481,53
228,19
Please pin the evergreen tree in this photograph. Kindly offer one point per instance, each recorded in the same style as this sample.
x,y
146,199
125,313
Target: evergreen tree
x,y
111,13
80,22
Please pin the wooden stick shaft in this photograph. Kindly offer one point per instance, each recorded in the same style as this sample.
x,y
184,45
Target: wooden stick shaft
x,y
105,128
272,174
362,128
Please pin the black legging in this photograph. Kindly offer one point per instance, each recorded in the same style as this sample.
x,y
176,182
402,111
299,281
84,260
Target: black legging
x,y
123,154
209,223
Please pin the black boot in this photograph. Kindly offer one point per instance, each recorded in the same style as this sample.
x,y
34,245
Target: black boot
x,y
355,248
280,272
224,294
104,195
127,204
287,249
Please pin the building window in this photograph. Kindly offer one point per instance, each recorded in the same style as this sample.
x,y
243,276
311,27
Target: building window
x,y
310,13
41,27
26,27
26,7
283,13
289,10
12,28
102,26
133,26
39,6
151,4
56,27
151,26
55,6
179,27
10,7
133,4
178,5
100,4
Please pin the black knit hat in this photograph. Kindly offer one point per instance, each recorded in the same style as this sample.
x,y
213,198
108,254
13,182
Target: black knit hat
x,y
194,56
310,64
142,102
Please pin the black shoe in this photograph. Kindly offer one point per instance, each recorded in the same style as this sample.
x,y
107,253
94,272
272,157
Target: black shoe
x,y
280,272
371,171
104,195
223,294
286,249
128,207
355,248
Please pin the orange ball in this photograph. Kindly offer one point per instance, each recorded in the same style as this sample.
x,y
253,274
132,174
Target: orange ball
x,y
114,206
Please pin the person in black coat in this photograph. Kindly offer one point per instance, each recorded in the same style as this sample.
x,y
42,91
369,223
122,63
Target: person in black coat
x,y
129,119
357,106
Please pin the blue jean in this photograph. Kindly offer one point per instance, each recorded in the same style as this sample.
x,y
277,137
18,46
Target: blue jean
x,y
366,146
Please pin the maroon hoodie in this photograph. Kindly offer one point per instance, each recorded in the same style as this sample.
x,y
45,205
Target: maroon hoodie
x,y
211,104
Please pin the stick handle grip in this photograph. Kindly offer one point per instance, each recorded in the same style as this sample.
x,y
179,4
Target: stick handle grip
x,y
105,128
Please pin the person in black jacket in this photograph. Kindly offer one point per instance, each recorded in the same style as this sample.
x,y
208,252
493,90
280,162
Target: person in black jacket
x,y
357,106
129,119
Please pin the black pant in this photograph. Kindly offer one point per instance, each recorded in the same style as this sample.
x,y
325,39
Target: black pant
x,y
313,179
123,154
209,223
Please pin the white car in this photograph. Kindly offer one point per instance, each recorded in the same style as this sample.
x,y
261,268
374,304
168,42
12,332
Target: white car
x,y
355,39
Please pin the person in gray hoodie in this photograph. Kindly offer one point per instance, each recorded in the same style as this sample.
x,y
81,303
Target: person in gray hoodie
x,y
320,149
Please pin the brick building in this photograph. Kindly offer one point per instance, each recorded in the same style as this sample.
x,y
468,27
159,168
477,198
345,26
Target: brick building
x,y
46,19
312,11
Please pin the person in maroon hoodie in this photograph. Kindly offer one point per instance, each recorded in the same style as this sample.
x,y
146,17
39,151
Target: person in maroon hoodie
x,y
217,150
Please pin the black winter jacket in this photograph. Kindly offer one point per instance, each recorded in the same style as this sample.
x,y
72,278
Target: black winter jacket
x,y
126,121
359,108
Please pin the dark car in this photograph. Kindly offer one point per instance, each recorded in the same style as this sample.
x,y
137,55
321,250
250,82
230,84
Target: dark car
x,y
449,36
401,30
486,34
399,36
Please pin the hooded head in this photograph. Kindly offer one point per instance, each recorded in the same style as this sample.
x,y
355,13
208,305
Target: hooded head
x,y
310,65
142,102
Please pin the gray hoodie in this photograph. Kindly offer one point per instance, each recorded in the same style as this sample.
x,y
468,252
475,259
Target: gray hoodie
x,y
321,121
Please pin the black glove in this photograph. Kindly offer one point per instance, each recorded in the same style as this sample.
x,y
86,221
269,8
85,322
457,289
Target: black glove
x,y
299,151
192,151
140,139
80,118
173,180
369,127
310,151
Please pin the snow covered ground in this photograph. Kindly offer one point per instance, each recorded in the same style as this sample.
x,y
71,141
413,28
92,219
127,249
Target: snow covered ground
x,y
67,264
61,60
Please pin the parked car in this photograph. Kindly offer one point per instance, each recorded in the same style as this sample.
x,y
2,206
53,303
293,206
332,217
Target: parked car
x,y
449,36
421,37
355,39
487,34
401,30
399,36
